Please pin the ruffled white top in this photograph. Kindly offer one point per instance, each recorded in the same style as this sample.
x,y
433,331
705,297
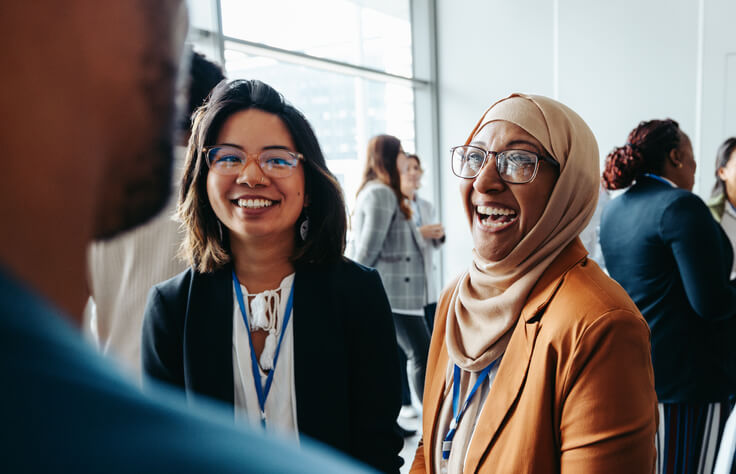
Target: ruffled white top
x,y
266,311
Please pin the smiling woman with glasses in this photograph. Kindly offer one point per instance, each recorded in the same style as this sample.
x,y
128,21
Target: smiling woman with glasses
x,y
271,318
539,362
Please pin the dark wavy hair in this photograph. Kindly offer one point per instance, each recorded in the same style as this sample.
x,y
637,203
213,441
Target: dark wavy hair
x,y
722,158
204,246
380,164
645,151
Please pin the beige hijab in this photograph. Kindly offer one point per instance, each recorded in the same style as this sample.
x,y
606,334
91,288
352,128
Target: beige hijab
x,y
489,297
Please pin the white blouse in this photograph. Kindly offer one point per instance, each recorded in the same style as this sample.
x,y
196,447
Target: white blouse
x,y
265,311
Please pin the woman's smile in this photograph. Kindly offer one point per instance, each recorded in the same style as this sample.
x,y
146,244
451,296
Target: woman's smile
x,y
495,217
254,203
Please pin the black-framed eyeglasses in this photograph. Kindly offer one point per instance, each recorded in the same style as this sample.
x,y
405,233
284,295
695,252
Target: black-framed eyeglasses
x,y
514,166
274,162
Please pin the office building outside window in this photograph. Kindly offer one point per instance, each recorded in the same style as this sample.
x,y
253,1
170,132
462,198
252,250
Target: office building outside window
x,y
348,65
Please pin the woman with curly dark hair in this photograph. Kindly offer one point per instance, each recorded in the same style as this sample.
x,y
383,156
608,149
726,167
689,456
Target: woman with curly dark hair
x,y
662,245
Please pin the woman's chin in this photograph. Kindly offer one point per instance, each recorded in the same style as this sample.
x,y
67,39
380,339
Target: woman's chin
x,y
492,251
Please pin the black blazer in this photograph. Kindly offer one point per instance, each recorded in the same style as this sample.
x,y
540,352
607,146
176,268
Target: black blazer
x,y
346,369
662,245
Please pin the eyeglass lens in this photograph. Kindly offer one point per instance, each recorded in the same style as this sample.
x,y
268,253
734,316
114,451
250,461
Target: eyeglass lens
x,y
514,166
275,163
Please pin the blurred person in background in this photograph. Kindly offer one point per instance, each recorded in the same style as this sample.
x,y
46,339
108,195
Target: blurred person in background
x,y
722,203
433,232
122,270
271,319
662,245
433,237
89,155
385,237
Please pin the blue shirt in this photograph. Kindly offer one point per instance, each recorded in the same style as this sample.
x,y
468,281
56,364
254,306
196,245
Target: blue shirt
x,y
65,408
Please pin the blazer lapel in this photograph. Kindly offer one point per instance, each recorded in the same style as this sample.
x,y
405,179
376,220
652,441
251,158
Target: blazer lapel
x,y
512,371
504,392
418,239
208,335
433,398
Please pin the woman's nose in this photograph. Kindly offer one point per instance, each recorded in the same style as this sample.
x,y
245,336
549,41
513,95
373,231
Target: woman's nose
x,y
488,180
252,174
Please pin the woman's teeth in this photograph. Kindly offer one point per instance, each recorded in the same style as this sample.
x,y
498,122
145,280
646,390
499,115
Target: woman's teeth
x,y
495,216
254,203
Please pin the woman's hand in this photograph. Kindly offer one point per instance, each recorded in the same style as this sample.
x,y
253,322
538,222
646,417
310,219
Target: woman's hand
x,y
432,231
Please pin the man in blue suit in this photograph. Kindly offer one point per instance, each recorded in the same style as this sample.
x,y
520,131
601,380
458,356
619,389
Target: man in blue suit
x,y
88,96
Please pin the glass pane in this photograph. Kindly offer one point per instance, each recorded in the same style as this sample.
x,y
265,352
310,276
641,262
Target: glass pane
x,y
345,111
374,34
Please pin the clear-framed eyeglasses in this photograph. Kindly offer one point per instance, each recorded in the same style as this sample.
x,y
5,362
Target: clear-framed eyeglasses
x,y
274,162
513,166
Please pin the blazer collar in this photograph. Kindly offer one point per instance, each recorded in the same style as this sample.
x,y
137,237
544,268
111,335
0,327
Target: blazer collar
x,y
512,372
550,280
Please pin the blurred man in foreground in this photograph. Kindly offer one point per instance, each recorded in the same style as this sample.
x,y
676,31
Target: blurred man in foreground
x,y
88,92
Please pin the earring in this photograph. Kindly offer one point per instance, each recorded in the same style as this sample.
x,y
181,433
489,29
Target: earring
x,y
304,228
219,227
679,165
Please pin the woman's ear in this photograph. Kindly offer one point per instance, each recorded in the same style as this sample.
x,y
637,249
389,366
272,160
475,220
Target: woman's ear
x,y
674,158
721,173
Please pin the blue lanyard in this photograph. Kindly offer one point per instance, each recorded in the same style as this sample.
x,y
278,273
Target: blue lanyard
x,y
658,178
447,443
260,390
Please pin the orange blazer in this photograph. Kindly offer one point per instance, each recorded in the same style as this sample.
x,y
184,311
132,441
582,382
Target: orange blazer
x,y
574,392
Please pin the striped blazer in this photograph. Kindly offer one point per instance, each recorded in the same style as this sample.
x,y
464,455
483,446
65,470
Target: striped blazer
x,y
383,238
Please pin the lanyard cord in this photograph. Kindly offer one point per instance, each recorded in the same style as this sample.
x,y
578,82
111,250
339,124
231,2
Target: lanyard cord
x,y
457,415
260,390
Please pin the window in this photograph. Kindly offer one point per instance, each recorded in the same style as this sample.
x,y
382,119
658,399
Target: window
x,y
348,65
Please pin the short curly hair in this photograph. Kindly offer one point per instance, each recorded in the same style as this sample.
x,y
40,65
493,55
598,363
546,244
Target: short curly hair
x,y
645,151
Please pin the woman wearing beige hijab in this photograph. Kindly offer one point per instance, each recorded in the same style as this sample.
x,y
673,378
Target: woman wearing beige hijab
x,y
539,362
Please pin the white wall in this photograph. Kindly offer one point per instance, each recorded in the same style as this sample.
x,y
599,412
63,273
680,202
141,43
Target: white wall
x,y
718,92
615,63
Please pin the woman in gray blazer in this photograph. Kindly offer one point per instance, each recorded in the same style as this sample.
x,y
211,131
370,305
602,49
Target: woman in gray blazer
x,y
384,237
433,232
